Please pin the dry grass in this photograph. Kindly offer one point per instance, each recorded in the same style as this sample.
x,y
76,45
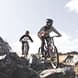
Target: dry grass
x,y
62,58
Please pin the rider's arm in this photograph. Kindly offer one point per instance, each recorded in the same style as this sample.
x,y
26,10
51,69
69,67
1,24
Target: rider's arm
x,y
54,30
21,37
41,31
30,39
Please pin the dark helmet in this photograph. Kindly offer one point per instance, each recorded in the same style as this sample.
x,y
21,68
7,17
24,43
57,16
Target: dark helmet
x,y
27,32
49,20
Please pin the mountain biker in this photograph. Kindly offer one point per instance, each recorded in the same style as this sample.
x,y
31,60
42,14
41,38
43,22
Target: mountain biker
x,y
24,39
44,33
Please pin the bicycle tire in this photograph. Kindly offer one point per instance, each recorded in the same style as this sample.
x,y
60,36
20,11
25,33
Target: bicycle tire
x,y
39,53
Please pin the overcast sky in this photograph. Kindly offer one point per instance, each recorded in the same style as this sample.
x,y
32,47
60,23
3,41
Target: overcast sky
x,y
17,16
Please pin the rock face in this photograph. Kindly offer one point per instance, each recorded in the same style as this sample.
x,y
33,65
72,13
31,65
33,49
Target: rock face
x,y
38,65
12,66
4,47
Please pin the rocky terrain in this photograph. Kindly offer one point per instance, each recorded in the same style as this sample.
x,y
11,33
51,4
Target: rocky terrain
x,y
13,66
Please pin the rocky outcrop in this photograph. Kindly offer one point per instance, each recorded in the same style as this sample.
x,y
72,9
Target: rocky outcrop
x,y
39,65
13,66
58,73
4,47
46,71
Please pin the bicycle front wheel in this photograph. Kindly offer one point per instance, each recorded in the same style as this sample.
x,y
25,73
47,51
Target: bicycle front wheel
x,y
26,48
54,58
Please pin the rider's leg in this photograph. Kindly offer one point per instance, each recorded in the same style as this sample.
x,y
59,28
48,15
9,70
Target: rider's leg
x,y
42,47
48,45
22,48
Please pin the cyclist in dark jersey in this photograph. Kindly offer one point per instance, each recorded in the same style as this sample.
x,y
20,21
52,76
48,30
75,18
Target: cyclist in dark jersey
x,y
24,39
44,33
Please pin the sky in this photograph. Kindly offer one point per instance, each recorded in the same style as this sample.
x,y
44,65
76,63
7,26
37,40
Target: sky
x,y
17,16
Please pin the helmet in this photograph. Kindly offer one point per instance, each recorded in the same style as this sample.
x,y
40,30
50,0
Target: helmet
x,y
49,20
27,32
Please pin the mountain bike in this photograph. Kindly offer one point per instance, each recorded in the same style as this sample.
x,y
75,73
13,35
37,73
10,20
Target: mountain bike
x,y
25,46
50,52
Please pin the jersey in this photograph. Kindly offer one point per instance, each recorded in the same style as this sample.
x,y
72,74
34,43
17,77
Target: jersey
x,y
25,38
45,31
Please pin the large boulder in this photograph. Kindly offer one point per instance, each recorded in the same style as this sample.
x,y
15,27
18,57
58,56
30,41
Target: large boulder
x,y
24,73
66,72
